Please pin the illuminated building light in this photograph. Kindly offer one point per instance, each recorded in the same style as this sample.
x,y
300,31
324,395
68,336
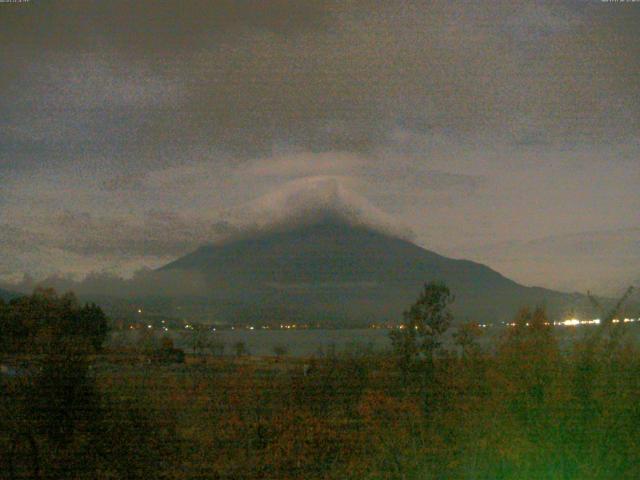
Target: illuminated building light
x,y
571,322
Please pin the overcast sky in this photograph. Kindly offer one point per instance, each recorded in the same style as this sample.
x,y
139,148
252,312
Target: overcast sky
x,y
133,131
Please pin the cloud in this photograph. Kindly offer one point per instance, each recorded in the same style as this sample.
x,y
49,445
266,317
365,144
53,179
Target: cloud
x,y
156,233
143,282
302,164
120,182
145,127
310,200
326,76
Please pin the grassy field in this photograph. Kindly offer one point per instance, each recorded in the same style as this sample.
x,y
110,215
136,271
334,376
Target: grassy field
x,y
526,412
524,403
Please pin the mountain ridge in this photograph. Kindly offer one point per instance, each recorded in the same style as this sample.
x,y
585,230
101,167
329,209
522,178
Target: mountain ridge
x,y
350,273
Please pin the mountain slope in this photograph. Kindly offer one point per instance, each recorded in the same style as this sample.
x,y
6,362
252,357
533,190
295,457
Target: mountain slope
x,y
343,274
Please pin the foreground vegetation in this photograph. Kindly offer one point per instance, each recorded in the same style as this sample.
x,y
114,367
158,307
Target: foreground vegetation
x,y
524,410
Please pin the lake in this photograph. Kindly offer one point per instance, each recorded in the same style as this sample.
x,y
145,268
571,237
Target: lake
x,y
302,342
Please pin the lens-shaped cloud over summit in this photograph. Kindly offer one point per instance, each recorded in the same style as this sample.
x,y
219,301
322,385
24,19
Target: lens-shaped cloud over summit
x,y
308,201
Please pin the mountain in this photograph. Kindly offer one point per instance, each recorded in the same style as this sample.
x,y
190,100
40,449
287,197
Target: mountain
x,y
344,274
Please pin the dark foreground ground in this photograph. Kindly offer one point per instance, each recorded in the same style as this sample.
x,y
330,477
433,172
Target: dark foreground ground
x,y
527,410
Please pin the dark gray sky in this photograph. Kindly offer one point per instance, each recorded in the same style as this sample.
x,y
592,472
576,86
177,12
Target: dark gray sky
x,y
133,131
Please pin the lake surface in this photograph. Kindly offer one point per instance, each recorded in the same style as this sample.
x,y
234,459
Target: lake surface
x,y
320,342
264,342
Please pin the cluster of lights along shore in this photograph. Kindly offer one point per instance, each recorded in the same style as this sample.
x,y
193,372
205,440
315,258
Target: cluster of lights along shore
x,y
574,322
570,322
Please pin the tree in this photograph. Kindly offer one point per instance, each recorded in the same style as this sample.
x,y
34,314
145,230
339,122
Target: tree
x,y
93,325
240,349
466,337
280,350
217,348
167,353
418,337
63,397
54,420
40,322
56,396
199,339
